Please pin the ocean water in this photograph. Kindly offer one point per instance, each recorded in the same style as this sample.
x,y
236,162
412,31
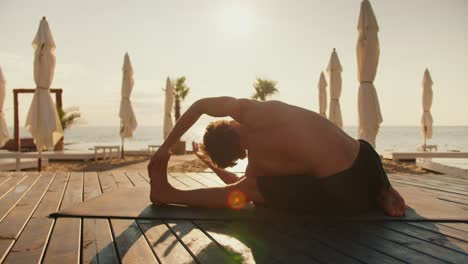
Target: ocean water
x,y
403,138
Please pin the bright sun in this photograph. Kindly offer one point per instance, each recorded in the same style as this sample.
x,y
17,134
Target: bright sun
x,y
236,20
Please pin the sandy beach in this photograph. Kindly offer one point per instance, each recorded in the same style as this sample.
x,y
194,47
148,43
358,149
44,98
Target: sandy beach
x,y
187,163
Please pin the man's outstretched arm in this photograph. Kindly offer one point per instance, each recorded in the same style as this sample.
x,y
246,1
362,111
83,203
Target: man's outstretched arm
x,y
230,196
215,106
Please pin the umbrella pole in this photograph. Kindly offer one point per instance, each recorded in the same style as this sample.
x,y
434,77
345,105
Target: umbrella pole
x,y
425,132
122,150
39,161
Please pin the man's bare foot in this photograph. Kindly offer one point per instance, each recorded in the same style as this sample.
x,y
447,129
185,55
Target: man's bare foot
x,y
392,202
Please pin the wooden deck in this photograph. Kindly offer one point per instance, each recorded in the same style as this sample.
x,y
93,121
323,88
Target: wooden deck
x,y
424,155
27,235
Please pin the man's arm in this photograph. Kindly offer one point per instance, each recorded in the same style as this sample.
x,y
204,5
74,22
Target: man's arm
x,y
230,196
215,106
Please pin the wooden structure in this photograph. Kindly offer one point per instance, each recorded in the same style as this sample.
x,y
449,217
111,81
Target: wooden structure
x,y
27,235
16,92
152,148
427,148
97,149
456,167
417,154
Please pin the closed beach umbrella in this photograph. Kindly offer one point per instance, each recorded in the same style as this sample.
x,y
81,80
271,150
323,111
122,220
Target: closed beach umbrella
x,y
3,127
322,90
167,127
368,51
334,70
42,120
128,122
426,120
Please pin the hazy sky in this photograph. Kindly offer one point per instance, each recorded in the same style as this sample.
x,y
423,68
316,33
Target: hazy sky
x,y
222,46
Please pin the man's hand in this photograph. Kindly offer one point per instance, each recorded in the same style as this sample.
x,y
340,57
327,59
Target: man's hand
x,y
200,154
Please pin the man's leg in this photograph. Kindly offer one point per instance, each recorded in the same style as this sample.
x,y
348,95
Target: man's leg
x,y
392,202
389,199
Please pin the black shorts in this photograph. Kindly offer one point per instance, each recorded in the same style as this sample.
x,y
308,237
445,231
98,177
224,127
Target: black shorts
x,y
352,191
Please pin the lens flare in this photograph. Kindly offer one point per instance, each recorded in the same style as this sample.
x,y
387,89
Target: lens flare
x,y
236,200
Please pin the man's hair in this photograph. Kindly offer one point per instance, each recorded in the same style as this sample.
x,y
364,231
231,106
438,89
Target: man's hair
x,y
221,143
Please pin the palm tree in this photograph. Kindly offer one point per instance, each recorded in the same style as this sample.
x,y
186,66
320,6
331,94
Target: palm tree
x,y
67,119
264,88
180,92
68,116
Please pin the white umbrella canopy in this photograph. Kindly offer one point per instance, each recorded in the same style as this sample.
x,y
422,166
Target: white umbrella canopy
x,y
3,126
368,52
426,120
42,120
128,122
168,125
322,91
334,70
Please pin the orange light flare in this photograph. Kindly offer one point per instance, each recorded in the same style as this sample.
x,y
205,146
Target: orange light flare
x,y
236,200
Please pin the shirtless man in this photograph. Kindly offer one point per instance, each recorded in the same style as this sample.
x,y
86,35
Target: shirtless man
x,y
297,160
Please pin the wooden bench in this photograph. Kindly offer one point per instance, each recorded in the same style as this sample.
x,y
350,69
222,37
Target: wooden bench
x,y
427,148
153,148
104,149
20,160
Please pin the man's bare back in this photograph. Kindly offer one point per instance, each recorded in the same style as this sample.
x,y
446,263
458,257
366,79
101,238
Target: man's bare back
x,y
283,139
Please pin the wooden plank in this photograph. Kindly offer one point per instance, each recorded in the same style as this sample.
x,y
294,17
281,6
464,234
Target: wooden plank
x,y
164,243
5,179
10,199
4,174
447,167
201,246
137,179
459,226
5,246
14,222
439,188
433,183
97,245
419,154
207,181
362,235
443,229
31,243
435,251
107,182
433,237
301,239
249,243
332,236
121,179
16,178
211,177
433,192
145,175
190,182
65,240
131,245
448,178
173,181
